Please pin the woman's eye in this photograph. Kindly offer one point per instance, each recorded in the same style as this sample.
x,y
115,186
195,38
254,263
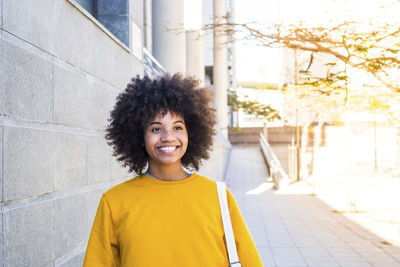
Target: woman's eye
x,y
155,130
178,128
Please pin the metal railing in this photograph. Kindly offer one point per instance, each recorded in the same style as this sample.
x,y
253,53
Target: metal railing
x,y
279,176
152,67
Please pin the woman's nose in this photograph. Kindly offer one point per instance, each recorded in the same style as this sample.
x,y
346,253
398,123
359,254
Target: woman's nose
x,y
168,136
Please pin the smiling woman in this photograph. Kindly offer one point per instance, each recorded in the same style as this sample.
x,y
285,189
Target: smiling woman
x,y
139,107
166,216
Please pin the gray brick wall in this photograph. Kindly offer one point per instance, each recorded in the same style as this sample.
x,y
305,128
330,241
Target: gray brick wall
x,y
60,73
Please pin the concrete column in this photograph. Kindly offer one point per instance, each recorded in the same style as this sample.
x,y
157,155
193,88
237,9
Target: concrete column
x,y
148,39
169,38
220,70
194,39
194,54
234,85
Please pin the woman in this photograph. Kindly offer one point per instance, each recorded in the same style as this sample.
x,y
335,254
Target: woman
x,y
165,216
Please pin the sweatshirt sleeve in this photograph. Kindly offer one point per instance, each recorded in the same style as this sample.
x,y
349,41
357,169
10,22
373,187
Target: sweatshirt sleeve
x,y
103,247
247,250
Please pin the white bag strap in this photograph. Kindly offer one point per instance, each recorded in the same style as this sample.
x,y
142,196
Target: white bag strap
x,y
226,221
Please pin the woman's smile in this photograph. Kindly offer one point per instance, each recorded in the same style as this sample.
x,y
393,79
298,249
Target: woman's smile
x,y
168,149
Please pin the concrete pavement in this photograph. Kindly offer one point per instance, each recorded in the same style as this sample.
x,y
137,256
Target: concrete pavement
x,y
293,228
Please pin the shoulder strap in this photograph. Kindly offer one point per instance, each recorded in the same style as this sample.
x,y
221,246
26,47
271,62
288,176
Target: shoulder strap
x,y
226,220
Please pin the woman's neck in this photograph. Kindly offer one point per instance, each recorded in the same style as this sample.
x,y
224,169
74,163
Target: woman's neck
x,y
167,173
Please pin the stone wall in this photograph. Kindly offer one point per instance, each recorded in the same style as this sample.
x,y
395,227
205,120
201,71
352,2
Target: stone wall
x,y
60,71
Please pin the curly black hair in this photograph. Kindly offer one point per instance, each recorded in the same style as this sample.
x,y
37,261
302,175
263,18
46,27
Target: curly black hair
x,y
142,100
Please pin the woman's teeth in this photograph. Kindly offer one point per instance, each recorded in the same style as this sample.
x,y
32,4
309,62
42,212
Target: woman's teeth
x,y
167,148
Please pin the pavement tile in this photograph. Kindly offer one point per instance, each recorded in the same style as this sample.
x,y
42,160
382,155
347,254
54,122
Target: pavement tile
x,y
323,263
261,242
396,256
385,264
355,264
337,244
281,243
301,243
266,256
285,263
314,253
286,254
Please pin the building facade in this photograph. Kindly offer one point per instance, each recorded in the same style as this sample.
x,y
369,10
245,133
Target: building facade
x,y
62,64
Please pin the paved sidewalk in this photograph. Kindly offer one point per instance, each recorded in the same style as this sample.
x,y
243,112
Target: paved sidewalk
x,y
293,229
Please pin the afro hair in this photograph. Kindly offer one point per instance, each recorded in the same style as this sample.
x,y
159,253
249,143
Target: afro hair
x,y
142,100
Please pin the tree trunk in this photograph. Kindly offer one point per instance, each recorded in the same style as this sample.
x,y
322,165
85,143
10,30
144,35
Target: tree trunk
x,y
304,171
396,167
317,144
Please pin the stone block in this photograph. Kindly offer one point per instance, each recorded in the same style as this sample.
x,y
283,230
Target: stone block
x,y
28,236
70,95
27,80
101,55
118,172
28,162
116,7
93,202
79,99
98,160
74,261
32,21
1,239
103,97
125,70
137,68
70,161
70,223
2,89
1,14
1,163
72,45
117,25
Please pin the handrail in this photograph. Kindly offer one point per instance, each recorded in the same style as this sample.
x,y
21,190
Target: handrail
x,y
152,67
281,179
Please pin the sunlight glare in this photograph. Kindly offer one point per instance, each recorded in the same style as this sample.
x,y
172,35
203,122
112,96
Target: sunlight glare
x,y
263,187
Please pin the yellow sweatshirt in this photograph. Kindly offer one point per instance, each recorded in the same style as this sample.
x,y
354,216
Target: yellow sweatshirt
x,y
146,222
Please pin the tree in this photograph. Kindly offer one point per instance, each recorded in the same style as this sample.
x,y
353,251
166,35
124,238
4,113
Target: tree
x,y
253,107
369,47
373,47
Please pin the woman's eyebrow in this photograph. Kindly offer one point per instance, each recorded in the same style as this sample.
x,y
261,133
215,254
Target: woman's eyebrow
x,y
157,122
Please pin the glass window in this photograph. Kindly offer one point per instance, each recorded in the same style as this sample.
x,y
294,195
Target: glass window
x,y
88,5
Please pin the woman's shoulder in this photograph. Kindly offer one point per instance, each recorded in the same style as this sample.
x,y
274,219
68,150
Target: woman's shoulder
x,y
125,186
205,179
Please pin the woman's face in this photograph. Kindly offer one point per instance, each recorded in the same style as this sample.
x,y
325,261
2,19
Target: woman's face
x,y
166,139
